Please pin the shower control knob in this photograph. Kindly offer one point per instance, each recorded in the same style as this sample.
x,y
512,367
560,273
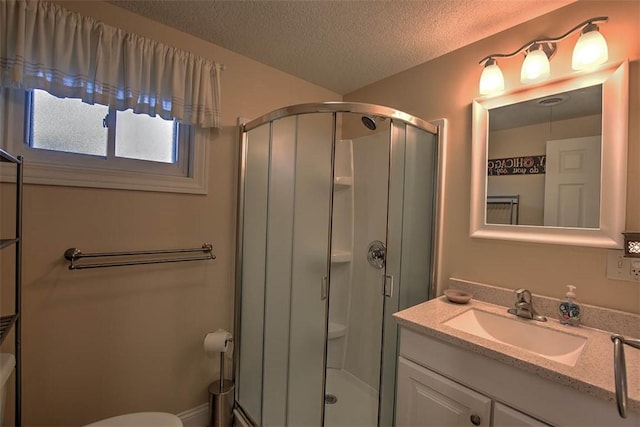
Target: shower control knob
x,y
377,254
475,420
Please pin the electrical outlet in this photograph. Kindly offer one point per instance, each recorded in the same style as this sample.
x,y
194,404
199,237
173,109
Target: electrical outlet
x,y
621,268
635,269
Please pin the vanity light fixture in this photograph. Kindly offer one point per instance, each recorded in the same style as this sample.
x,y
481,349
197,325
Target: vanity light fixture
x,y
590,51
535,67
631,244
491,80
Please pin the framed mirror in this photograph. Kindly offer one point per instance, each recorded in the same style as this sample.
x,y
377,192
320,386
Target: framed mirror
x,y
549,162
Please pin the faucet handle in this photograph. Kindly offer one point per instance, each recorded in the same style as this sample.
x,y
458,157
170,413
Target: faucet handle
x,y
523,295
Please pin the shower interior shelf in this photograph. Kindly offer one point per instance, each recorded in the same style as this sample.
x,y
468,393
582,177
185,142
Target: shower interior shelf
x,y
341,182
7,242
6,322
341,256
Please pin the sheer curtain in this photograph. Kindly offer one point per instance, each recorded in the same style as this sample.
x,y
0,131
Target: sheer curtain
x,y
44,46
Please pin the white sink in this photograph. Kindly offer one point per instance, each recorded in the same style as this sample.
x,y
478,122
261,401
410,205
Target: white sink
x,y
525,334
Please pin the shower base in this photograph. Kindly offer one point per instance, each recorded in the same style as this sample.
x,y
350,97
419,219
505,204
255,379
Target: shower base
x,y
357,402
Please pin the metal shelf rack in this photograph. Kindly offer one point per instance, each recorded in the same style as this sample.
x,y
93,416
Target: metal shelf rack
x,y
13,321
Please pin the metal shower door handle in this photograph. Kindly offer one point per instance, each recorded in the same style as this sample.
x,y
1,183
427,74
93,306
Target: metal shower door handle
x,y
324,288
388,285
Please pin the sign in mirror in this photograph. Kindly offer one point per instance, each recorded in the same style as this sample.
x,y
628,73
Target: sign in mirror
x,y
543,160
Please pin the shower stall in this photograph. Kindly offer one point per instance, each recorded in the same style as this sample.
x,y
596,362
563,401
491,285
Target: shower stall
x,y
335,234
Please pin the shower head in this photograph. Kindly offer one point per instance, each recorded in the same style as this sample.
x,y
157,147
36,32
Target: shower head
x,y
369,122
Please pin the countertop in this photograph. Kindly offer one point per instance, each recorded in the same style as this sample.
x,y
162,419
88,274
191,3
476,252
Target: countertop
x,y
591,374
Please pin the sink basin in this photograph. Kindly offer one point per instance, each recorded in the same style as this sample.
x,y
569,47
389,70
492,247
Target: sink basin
x,y
525,334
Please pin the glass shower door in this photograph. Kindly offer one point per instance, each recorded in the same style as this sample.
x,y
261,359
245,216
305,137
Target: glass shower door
x,y
285,245
410,237
356,287
383,222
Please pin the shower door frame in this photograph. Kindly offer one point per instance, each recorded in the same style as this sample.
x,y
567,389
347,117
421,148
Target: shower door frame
x,y
333,108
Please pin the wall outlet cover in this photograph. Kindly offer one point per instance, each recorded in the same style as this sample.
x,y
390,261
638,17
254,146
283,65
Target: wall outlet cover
x,y
621,268
635,269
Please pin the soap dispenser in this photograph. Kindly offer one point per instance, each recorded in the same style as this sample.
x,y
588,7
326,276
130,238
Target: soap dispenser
x,y
569,311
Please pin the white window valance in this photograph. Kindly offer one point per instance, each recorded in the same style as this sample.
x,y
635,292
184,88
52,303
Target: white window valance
x,y
44,46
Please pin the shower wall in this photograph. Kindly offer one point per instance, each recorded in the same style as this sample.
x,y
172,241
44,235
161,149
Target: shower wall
x,y
370,164
341,252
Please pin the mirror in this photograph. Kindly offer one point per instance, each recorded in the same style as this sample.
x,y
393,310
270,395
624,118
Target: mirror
x,y
542,156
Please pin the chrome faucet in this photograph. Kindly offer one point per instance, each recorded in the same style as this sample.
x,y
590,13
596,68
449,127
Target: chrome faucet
x,y
524,306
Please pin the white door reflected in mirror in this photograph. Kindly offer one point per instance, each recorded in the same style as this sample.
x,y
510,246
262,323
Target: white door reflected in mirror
x,y
572,183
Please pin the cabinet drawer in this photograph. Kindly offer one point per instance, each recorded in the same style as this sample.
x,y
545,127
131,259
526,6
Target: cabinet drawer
x,y
503,416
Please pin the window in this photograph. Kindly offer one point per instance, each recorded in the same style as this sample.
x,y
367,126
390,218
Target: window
x,y
71,126
67,142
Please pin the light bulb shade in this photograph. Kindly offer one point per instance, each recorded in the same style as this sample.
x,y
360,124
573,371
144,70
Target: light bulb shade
x,y
590,51
491,80
535,67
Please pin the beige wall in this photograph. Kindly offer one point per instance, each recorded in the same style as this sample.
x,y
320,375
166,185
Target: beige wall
x,y
98,343
445,87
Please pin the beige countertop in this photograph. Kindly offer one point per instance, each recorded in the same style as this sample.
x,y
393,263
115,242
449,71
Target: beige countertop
x,y
591,374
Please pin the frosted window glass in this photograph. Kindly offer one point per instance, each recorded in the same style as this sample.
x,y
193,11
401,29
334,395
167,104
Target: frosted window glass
x,y
67,125
139,136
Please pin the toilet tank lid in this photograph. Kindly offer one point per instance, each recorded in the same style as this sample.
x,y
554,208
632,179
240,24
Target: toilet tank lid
x,y
7,363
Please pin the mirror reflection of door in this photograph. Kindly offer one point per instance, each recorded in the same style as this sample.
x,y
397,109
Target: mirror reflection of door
x,y
519,135
572,183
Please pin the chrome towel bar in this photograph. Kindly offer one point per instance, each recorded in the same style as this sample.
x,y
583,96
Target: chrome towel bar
x,y
73,255
620,370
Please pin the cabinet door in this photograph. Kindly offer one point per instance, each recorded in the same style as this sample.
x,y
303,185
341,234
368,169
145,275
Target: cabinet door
x,y
503,416
426,398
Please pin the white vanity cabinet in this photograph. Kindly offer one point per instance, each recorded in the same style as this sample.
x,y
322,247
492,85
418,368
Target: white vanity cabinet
x,y
442,384
426,398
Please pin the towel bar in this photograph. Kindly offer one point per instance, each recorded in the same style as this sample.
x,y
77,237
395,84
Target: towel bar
x,y
73,255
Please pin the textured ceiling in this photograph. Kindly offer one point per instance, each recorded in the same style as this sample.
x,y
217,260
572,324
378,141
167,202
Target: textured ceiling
x,y
341,45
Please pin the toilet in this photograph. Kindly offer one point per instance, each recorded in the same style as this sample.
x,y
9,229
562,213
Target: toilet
x,y
140,419
7,364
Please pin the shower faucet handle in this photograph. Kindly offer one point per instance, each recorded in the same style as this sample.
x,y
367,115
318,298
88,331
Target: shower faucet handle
x,y
377,254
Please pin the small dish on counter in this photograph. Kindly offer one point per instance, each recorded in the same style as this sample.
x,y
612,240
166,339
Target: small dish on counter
x,y
457,296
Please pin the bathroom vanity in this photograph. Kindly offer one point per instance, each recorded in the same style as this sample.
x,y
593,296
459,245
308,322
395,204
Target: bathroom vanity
x,y
448,376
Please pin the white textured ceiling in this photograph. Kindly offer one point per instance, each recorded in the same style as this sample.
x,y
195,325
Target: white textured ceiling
x,y
342,45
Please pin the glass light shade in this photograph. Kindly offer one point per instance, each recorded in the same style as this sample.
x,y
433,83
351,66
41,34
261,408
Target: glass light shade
x,y
491,80
590,51
535,67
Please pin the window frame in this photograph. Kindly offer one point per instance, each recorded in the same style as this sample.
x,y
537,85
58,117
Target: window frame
x,y
50,167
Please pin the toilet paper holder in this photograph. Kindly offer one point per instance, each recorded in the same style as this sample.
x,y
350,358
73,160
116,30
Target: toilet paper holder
x,y
222,353
218,342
